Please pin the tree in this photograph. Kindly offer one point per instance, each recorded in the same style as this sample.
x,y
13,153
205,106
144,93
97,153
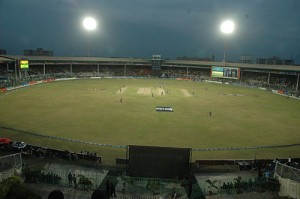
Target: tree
x,y
211,185
11,188
85,182
6,184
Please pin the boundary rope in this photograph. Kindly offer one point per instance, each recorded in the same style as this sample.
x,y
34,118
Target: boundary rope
x,y
124,147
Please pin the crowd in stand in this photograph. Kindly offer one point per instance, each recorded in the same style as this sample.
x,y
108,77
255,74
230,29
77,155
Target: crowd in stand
x,y
255,79
286,83
192,73
43,152
283,83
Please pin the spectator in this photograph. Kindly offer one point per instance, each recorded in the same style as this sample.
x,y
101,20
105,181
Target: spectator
x,y
289,161
70,178
112,190
267,174
107,187
74,181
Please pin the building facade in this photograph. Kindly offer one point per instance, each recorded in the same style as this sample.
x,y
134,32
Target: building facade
x,y
275,61
38,52
2,52
246,59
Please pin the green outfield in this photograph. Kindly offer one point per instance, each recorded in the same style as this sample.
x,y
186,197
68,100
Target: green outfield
x,y
122,112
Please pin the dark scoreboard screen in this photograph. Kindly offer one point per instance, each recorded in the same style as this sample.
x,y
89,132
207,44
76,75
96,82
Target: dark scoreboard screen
x,y
158,162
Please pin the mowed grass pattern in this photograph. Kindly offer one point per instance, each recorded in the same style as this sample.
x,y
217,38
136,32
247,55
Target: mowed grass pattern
x,y
91,110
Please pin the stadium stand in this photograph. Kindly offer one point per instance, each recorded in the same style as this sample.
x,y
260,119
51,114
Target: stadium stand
x,y
282,79
285,79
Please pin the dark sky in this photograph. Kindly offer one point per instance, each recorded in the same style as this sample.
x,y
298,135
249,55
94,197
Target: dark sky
x,y
140,28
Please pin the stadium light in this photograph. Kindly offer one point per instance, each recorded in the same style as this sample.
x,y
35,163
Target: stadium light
x,y
227,27
89,24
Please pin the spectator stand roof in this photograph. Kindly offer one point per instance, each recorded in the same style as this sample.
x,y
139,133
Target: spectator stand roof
x,y
183,63
4,59
37,60
70,60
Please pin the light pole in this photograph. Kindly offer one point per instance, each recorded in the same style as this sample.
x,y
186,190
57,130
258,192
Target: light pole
x,y
227,27
89,24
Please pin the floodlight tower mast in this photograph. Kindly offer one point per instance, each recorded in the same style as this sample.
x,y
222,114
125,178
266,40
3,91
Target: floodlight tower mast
x,y
89,24
227,27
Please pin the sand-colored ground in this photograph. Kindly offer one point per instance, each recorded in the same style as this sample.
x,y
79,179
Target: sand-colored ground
x,y
144,91
185,93
149,91
122,90
161,91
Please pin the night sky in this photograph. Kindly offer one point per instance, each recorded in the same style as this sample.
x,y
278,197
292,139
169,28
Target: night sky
x,y
140,28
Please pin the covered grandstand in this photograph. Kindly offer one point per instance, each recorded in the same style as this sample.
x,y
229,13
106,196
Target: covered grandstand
x,y
280,77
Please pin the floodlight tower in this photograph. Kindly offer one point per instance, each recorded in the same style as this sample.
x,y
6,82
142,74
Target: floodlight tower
x,y
89,24
227,28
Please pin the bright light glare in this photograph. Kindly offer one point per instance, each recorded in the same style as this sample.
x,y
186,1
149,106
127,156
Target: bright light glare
x,y
89,23
227,27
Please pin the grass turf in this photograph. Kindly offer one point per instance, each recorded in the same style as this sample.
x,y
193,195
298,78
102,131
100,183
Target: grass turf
x,y
91,110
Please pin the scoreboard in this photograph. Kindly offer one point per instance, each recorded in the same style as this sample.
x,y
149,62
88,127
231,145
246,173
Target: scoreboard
x,y
158,162
225,72
24,64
